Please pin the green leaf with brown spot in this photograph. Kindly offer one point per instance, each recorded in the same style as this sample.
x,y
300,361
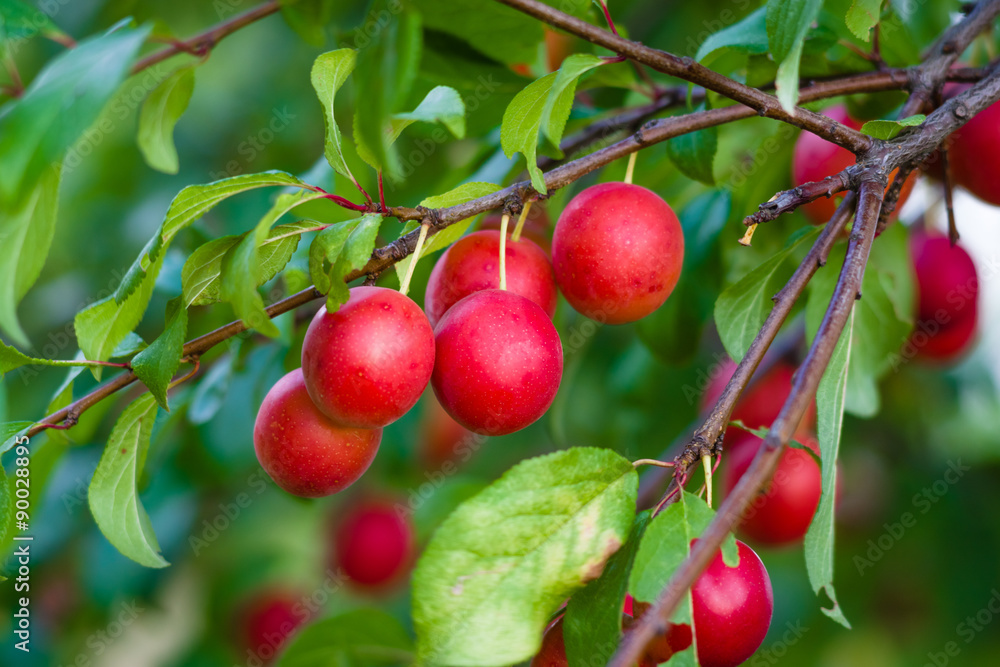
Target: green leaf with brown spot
x,y
502,563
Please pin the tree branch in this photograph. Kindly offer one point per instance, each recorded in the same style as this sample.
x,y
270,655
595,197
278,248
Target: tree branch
x,y
706,438
789,200
204,42
927,79
652,481
904,152
892,196
517,193
628,120
651,133
907,150
632,119
688,69
804,386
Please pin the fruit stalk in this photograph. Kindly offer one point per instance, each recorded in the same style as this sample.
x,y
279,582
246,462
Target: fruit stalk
x,y
503,251
208,39
404,287
516,236
630,169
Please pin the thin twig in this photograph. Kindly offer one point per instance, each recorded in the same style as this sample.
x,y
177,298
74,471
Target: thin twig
x,y
207,40
789,200
689,70
652,462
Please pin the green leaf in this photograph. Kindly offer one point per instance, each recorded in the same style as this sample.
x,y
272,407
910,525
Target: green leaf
x,y
460,195
521,122
131,344
594,615
190,204
748,35
504,34
544,105
403,53
694,153
788,21
201,276
742,308
308,18
195,201
155,366
9,433
241,270
560,99
103,325
26,232
763,431
63,100
325,249
338,250
887,129
879,324
862,16
211,391
329,73
160,113
385,74
12,358
442,105
499,566
450,234
356,252
357,638
830,397
786,82
108,321
113,494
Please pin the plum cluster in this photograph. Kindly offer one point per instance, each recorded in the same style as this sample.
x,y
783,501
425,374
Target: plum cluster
x,y
492,355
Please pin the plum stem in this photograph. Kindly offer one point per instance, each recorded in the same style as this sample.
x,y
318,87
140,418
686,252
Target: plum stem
x,y
187,376
706,461
503,250
630,169
607,16
404,287
381,193
516,236
652,462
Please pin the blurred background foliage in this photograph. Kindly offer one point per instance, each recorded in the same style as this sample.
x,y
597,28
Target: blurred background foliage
x,y
635,389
